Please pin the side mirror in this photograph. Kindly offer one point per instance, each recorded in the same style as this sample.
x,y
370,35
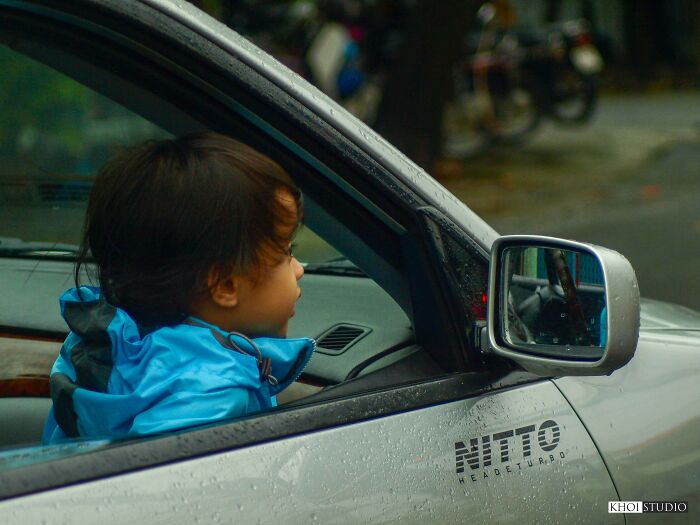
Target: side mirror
x,y
560,307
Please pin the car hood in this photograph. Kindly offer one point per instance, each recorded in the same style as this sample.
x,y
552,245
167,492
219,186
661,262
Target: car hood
x,y
659,315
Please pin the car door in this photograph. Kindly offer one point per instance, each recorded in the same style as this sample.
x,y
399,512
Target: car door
x,y
515,456
418,425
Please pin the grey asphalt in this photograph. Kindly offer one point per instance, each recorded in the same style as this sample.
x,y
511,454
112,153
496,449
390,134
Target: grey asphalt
x,y
659,233
629,181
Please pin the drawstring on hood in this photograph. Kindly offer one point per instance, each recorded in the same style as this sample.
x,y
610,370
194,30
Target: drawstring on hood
x,y
264,364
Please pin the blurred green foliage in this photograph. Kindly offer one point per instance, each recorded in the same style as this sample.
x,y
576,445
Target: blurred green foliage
x,y
34,96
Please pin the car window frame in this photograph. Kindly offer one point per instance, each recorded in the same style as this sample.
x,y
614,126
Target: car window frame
x,y
386,201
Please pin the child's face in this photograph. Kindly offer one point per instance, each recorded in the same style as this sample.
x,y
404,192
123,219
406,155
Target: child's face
x,y
265,305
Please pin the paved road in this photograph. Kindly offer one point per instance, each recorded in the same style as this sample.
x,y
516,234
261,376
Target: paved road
x,y
629,181
657,228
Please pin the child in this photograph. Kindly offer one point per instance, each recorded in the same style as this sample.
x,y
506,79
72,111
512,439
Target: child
x,y
192,243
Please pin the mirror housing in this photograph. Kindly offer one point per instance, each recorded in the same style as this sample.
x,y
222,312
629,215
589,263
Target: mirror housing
x,y
552,319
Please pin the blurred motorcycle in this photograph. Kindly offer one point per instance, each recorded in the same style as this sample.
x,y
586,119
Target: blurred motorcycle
x,y
566,64
496,100
335,44
508,80
335,64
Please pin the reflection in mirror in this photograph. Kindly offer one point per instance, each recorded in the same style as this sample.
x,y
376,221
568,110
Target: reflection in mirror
x,y
555,298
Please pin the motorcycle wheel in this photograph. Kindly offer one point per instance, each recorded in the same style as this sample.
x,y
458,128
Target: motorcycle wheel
x,y
574,98
463,132
517,113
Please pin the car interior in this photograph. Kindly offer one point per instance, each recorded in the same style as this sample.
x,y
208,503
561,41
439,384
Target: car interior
x,y
359,312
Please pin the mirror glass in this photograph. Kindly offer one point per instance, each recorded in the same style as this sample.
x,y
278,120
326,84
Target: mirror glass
x,y
553,302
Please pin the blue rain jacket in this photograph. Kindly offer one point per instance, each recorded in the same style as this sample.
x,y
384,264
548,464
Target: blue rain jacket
x,y
112,381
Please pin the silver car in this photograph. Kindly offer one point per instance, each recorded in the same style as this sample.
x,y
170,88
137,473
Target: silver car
x,y
459,376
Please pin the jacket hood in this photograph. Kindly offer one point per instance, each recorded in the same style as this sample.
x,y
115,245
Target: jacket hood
x,y
114,378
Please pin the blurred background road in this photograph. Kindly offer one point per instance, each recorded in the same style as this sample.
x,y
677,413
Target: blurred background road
x,y
629,180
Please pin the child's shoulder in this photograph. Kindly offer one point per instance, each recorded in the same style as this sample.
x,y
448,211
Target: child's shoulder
x,y
176,344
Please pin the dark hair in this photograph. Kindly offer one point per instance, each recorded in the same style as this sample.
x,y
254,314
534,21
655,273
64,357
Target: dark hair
x,y
162,214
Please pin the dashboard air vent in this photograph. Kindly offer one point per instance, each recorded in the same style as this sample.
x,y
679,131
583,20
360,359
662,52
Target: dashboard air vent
x,y
340,337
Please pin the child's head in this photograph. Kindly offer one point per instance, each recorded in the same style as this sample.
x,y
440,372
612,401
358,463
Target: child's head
x,y
198,225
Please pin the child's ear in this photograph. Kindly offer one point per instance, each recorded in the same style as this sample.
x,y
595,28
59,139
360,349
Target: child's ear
x,y
224,290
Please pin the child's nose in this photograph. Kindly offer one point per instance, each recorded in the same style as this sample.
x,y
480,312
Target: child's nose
x,y
298,269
